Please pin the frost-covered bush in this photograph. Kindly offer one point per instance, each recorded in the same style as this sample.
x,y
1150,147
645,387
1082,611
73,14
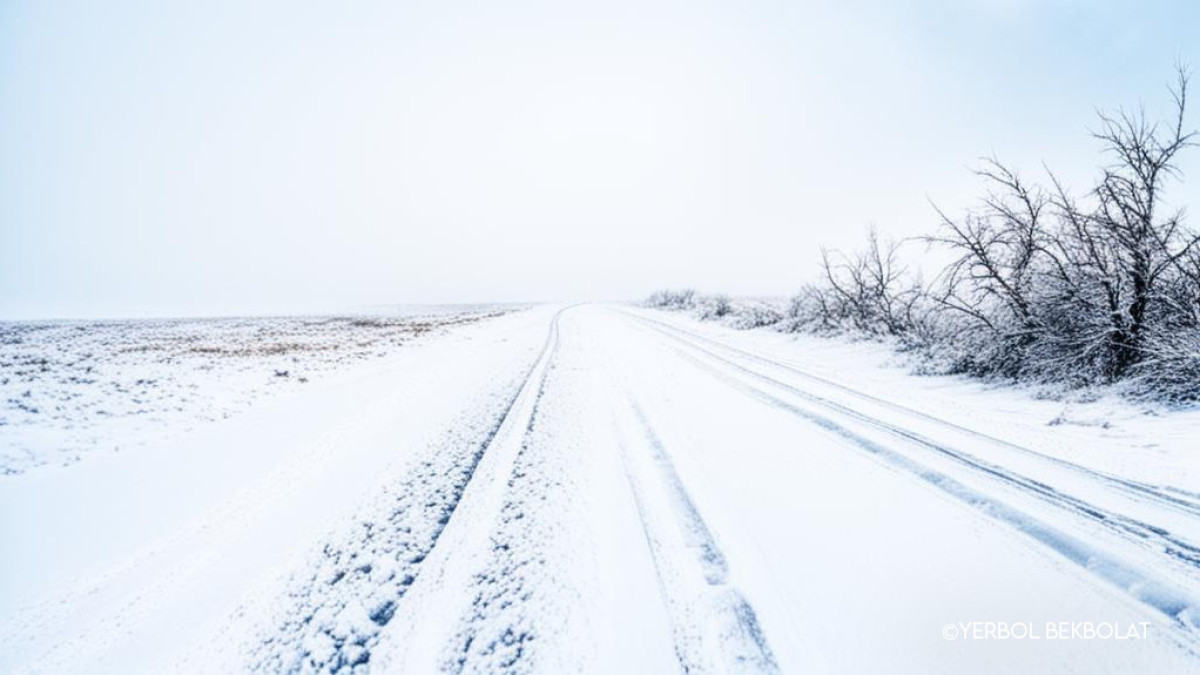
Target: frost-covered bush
x,y
740,313
672,299
1170,370
743,314
1042,285
1091,289
754,314
712,307
867,293
810,312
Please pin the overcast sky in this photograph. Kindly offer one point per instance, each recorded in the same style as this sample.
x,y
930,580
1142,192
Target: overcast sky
x,y
168,158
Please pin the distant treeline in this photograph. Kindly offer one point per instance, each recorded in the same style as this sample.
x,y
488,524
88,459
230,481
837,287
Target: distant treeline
x,y
1043,285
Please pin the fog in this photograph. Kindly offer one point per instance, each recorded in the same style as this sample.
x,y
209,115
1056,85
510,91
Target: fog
x,y
234,157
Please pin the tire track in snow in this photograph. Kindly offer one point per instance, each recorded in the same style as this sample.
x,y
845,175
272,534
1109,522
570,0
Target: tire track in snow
x,y
524,607
1169,496
1144,534
496,634
715,629
334,614
419,645
1179,605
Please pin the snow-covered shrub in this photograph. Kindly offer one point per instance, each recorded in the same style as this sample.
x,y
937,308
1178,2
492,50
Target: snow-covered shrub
x,y
754,314
672,299
807,312
1170,370
712,307
867,293
741,314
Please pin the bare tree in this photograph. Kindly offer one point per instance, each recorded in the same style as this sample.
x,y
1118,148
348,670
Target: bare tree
x,y
997,247
1042,284
1068,285
1145,243
869,290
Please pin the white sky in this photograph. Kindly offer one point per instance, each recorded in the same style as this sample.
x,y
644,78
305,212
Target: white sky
x,y
162,158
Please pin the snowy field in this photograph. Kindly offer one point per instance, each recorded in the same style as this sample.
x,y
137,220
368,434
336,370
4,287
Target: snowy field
x,y
73,387
573,489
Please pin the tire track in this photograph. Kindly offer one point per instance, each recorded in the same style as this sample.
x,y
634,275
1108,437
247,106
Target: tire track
x,y
333,615
714,628
1171,497
449,567
499,630
1144,534
1177,604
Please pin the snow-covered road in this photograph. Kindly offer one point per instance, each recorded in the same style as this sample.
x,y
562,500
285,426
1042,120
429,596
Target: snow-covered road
x,y
602,489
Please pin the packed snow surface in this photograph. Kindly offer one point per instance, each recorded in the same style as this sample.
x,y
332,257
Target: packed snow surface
x,y
573,489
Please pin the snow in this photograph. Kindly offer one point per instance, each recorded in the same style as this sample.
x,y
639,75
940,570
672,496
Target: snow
x,y
1139,441
166,540
594,489
73,387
